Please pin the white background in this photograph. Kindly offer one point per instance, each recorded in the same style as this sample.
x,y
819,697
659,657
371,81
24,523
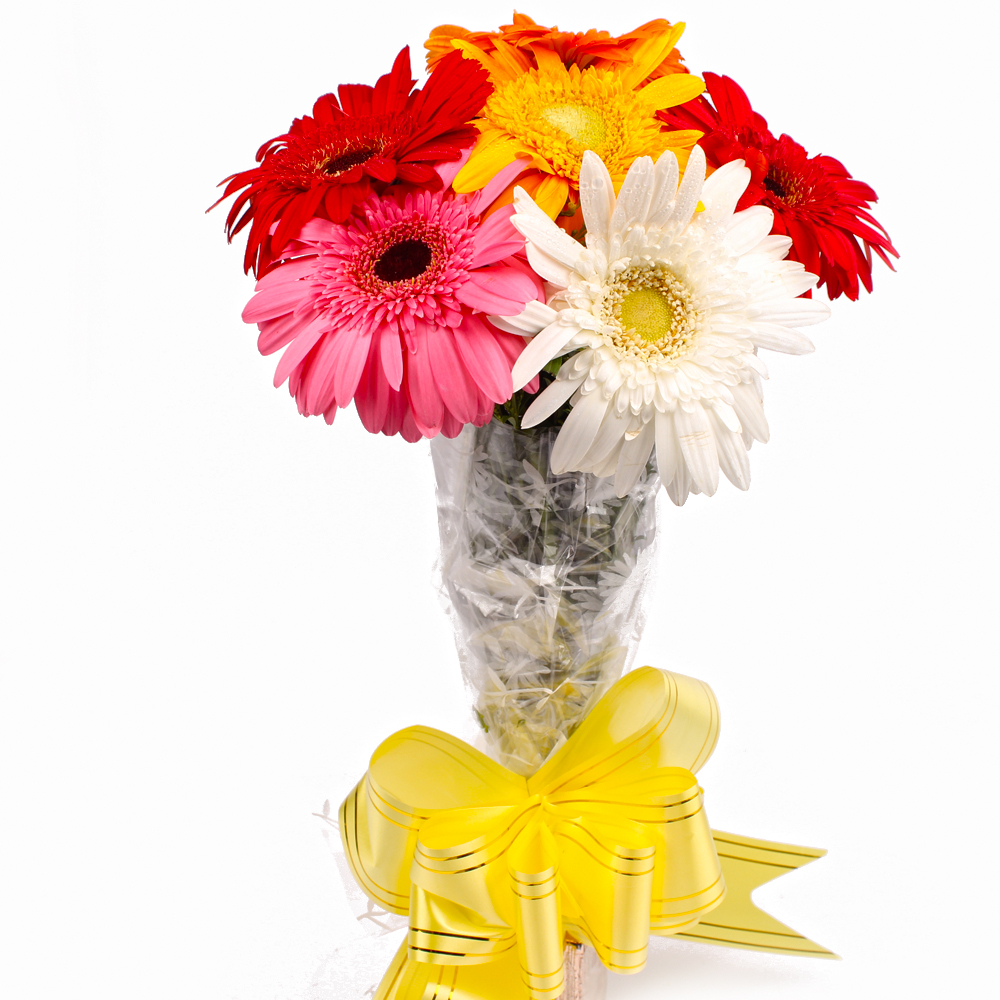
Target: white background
x,y
215,609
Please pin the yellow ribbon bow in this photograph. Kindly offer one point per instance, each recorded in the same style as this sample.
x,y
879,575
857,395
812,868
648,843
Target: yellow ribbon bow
x,y
607,843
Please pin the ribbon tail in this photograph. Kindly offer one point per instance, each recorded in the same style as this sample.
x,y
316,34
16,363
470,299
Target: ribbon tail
x,y
406,979
737,922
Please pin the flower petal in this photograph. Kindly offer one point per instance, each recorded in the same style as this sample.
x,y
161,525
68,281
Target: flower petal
x,y
501,290
540,350
533,317
578,432
633,459
484,358
694,432
551,398
597,193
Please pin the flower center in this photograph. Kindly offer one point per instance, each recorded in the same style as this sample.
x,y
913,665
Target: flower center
x,y
555,115
403,261
347,160
649,314
783,185
581,123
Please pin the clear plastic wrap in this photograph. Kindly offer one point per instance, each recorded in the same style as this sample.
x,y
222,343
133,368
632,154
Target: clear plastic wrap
x,y
546,577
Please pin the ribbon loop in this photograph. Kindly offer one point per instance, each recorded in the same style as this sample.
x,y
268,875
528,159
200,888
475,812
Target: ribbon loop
x,y
533,863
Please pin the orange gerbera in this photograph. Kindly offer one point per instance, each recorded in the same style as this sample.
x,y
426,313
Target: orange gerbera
x,y
549,115
590,48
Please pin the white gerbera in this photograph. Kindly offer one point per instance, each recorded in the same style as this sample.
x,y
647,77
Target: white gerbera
x,y
669,305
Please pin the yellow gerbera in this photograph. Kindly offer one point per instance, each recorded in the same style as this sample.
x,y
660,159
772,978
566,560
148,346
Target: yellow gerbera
x,y
552,114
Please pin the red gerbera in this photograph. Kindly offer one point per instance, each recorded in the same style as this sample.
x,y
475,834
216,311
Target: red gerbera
x,y
815,200
373,137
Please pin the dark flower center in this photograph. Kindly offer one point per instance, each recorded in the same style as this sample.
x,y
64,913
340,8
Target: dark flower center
x,y
352,158
782,185
403,260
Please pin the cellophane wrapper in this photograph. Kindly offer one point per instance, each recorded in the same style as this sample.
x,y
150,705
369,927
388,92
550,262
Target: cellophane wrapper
x,y
546,577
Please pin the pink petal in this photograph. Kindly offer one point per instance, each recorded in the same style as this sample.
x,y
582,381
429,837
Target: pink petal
x,y
350,365
521,265
372,398
276,333
274,301
450,375
484,358
299,348
496,238
498,289
448,171
392,356
451,427
315,393
421,389
409,430
496,186
512,345
319,231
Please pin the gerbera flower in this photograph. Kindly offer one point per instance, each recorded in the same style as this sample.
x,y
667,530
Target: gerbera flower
x,y
814,199
590,48
370,138
388,310
550,115
665,307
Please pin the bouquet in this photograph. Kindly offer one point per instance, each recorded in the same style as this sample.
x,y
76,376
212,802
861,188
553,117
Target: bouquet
x,y
558,259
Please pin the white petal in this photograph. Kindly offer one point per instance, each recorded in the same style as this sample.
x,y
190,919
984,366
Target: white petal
x,y
610,435
750,412
550,399
668,450
546,267
597,194
633,198
632,461
774,337
665,190
723,189
733,458
727,415
607,466
578,432
540,350
532,223
747,228
533,317
774,246
680,486
690,191
694,432
792,312
795,279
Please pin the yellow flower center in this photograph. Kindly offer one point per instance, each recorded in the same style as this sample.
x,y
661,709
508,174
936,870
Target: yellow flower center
x,y
555,115
650,314
579,122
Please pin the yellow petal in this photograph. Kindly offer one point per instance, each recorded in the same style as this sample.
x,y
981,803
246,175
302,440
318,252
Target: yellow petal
x,y
649,53
682,137
511,61
548,61
669,91
491,66
485,163
550,195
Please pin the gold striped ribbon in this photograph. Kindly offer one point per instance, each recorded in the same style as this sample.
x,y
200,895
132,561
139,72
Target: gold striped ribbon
x,y
607,843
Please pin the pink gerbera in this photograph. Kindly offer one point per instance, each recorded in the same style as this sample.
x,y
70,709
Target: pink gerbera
x,y
390,309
